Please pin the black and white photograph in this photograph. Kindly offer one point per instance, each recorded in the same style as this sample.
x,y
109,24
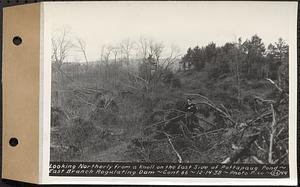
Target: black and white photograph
x,y
177,82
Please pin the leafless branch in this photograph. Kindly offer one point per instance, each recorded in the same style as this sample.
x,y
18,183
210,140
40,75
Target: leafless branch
x,y
259,147
223,114
83,100
126,47
212,105
82,48
208,132
284,155
257,160
259,118
207,122
226,161
264,100
176,152
272,133
280,131
164,121
201,96
277,87
61,46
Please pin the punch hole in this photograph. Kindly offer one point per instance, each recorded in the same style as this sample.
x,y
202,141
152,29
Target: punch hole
x,y
17,40
13,142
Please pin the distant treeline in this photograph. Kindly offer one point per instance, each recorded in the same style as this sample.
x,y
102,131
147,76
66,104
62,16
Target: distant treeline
x,y
251,59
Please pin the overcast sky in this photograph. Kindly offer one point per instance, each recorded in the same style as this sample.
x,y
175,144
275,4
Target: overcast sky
x,y
184,24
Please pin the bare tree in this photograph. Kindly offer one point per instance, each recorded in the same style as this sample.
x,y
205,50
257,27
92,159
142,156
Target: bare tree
x,y
155,50
61,47
107,52
115,50
171,59
126,47
143,46
149,47
82,48
102,53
